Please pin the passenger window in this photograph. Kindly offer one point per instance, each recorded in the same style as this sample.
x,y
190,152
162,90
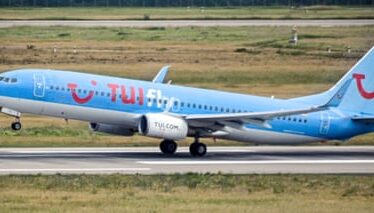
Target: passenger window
x,y
102,93
1,78
6,80
14,80
51,87
194,105
199,106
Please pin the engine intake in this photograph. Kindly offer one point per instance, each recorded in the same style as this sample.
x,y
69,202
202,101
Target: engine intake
x,y
163,126
111,129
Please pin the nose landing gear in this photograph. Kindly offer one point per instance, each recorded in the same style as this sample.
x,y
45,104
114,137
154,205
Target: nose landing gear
x,y
16,126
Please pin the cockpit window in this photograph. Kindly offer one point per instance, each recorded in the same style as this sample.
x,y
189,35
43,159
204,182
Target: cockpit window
x,y
8,80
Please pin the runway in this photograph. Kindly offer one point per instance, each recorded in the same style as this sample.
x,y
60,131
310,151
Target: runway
x,y
231,160
186,23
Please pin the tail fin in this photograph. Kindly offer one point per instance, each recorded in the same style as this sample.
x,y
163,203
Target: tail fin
x,y
359,97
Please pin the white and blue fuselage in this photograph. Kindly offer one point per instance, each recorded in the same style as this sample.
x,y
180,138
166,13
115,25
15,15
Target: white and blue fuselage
x,y
207,113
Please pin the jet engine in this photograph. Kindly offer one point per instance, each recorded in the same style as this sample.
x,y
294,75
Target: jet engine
x,y
111,129
163,126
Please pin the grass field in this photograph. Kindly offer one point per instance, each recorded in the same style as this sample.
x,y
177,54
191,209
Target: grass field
x,y
186,193
115,13
256,60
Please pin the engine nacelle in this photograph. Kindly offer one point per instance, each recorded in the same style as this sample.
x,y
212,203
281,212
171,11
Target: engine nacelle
x,y
163,126
111,129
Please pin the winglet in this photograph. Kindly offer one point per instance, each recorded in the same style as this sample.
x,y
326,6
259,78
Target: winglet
x,y
338,96
160,77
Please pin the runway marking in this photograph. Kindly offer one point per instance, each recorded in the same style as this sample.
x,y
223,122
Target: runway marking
x,y
257,162
75,170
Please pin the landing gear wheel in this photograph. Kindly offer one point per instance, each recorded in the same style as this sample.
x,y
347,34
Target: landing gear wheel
x,y
16,126
198,149
168,147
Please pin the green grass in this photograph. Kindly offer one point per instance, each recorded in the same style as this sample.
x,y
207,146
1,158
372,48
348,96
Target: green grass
x,y
189,192
115,13
311,38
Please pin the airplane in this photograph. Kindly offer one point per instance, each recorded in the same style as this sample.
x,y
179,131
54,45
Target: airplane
x,y
172,113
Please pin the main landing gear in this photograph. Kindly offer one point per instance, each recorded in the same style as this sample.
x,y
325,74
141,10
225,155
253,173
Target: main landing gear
x,y
168,147
197,149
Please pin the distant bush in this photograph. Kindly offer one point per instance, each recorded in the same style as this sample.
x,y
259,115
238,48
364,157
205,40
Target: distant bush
x,y
249,51
146,17
155,28
63,35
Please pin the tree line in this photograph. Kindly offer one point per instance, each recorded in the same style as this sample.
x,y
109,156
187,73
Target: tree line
x,y
178,3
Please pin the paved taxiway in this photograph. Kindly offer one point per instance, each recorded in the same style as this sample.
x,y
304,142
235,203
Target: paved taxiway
x,y
185,23
236,160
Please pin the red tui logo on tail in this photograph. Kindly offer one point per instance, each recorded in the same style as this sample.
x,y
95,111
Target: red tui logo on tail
x,y
365,94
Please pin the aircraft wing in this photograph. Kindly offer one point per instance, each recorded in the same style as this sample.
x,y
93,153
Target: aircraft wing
x,y
266,115
334,101
160,77
365,119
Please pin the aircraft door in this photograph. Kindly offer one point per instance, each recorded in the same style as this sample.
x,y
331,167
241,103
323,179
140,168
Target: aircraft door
x,y
325,123
39,85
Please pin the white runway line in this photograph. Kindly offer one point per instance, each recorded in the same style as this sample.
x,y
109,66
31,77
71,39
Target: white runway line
x,y
76,170
257,162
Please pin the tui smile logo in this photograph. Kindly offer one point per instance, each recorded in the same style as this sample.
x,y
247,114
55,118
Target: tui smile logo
x,y
365,94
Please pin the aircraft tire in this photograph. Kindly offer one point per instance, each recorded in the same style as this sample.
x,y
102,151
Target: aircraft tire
x,y
198,149
16,126
168,147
